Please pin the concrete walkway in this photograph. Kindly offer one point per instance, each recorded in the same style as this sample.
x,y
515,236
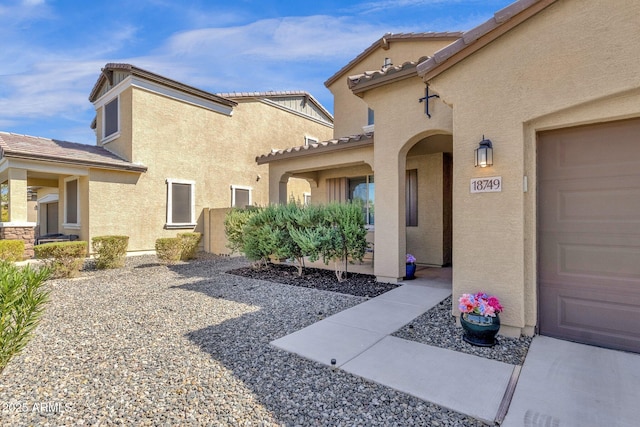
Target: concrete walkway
x,y
561,383
359,341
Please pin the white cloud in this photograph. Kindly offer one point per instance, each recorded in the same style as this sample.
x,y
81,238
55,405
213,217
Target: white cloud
x,y
291,39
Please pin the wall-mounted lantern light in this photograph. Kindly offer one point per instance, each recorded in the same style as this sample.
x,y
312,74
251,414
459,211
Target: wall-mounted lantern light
x,y
484,153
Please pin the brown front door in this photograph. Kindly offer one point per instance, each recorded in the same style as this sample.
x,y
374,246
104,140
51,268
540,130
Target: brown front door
x,y
589,234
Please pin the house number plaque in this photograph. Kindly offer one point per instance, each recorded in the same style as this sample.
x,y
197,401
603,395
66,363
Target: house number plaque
x,y
491,184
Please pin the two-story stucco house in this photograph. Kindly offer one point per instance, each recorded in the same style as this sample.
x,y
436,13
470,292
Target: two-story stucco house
x,y
551,223
165,153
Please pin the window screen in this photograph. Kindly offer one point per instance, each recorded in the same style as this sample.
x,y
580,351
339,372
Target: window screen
x,y
111,118
241,198
180,203
71,200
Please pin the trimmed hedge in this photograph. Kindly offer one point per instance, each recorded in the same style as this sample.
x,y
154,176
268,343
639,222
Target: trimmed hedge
x,y
190,243
22,301
65,259
169,249
11,250
110,251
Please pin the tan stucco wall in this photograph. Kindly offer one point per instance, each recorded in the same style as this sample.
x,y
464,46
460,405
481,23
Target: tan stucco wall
x,y
400,123
296,188
349,110
549,72
182,141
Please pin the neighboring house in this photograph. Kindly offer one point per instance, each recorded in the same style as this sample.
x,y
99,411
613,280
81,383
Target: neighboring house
x,y
554,85
165,153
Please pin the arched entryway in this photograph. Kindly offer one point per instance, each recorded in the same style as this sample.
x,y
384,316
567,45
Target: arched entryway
x,y
428,199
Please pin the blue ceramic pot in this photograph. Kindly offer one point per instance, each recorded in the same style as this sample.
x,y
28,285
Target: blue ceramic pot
x,y
480,330
411,272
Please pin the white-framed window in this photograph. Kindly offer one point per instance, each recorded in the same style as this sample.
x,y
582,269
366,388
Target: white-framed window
x,y
240,196
181,205
308,140
111,119
307,198
71,202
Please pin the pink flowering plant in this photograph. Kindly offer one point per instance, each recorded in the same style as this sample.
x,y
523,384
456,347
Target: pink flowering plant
x,y
410,259
480,303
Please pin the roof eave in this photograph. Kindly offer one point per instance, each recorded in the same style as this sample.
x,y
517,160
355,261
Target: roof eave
x,y
88,163
361,87
307,151
383,42
473,40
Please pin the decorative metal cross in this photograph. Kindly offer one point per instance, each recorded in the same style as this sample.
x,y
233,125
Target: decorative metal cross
x,y
426,98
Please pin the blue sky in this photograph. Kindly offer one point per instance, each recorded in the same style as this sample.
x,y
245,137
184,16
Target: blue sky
x,y
52,51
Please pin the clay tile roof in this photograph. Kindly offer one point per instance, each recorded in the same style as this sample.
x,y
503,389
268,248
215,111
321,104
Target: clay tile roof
x,y
369,79
384,43
156,78
472,40
353,141
52,150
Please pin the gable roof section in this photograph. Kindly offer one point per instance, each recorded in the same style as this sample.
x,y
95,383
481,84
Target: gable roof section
x,y
107,78
383,42
24,147
478,37
279,97
371,79
354,141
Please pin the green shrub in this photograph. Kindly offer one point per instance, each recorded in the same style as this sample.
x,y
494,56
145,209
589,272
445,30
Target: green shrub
x,y
11,250
190,243
169,249
110,251
334,232
65,259
22,300
234,223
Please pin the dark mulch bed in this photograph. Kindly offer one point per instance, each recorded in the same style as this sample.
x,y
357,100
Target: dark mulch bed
x,y
362,285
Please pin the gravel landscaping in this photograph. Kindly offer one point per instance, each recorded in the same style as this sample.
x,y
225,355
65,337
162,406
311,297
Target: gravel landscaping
x,y
188,344
437,327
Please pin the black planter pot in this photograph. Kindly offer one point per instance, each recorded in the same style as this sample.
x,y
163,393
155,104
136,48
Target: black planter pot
x,y
411,272
480,330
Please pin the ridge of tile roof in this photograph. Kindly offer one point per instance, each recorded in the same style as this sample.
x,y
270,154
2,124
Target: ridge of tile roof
x,y
384,43
108,69
474,39
13,145
352,141
368,79
275,94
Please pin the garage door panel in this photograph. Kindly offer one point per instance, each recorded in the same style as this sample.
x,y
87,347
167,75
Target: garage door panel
x,y
592,317
567,255
589,234
613,204
591,150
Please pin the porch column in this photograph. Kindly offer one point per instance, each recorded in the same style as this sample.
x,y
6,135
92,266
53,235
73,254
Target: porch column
x,y
17,195
18,227
390,236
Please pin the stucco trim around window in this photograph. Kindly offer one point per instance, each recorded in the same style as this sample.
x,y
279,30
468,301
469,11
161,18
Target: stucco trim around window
x,y
234,191
108,121
179,193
